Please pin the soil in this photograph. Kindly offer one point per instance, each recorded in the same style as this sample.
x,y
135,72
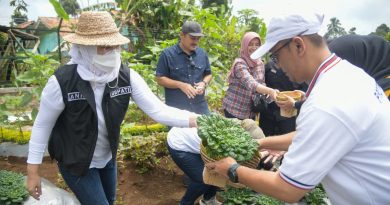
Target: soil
x,y
161,186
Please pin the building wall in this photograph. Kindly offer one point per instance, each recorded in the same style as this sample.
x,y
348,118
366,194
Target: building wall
x,y
48,42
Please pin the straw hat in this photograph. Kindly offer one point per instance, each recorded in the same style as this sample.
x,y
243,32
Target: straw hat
x,y
96,29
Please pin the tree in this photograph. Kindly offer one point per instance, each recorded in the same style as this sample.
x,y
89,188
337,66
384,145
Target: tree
x,y
352,30
248,18
19,15
382,30
245,15
387,37
334,29
223,6
70,6
211,3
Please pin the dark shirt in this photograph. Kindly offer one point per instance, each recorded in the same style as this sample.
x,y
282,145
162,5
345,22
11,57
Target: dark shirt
x,y
175,64
369,52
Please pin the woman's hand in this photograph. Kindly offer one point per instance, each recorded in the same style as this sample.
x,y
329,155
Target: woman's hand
x,y
34,181
273,93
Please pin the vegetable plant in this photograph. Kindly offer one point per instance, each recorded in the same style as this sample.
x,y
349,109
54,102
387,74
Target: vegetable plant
x,y
316,196
245,196
12,189
235,196
223,137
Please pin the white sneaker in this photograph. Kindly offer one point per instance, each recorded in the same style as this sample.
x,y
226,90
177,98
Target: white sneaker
x,y
212,201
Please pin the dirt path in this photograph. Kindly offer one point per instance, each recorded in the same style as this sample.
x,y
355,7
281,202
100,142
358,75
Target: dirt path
x,y
162,186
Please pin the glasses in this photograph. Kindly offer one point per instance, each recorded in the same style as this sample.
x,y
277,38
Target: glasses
x,y
274,55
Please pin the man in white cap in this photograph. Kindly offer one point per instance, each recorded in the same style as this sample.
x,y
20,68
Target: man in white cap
x,y
82,107
342,137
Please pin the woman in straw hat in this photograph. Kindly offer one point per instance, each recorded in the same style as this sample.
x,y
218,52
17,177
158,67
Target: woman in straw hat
x,y
82,107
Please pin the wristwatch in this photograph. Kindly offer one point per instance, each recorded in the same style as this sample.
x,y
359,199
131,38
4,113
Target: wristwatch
x,y
232,172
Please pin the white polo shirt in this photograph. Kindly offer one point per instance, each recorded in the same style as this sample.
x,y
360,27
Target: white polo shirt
x,y
343,138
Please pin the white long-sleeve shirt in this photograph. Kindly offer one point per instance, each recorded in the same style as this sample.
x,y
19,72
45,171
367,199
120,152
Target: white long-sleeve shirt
x,y
52,105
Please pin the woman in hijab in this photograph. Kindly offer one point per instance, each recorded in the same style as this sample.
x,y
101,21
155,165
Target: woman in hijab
x,y
370,52
82,107
246,77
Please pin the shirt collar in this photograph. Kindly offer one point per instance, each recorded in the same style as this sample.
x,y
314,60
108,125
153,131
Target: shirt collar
x,y
179,50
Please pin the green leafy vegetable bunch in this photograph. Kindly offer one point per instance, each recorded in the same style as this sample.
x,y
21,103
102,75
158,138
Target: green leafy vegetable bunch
x,y
223,137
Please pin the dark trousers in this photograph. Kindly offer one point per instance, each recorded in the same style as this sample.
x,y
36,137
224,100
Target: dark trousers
x,y
192,165
97,187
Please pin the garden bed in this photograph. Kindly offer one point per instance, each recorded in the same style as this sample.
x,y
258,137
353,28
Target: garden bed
x,y
162,186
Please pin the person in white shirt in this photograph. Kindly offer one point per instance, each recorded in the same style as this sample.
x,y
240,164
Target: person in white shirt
x,y
184,148
341,140
82,107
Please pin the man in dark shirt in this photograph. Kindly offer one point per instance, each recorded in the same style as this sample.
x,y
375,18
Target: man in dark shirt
x,y
184,71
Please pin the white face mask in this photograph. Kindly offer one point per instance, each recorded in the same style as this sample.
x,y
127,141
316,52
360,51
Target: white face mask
x,y
107,62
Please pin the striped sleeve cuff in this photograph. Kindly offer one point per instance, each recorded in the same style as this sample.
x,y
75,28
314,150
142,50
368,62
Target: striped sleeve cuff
x,y
296,183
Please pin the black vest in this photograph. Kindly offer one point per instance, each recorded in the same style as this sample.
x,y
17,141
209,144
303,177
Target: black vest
x,y
73,138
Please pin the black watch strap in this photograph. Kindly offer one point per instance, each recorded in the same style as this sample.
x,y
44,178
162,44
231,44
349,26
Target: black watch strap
x,y
232,172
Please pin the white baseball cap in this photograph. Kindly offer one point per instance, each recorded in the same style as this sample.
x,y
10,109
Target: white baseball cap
x,y
289,26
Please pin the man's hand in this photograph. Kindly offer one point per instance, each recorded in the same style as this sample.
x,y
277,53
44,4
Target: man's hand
x,y
221,167
254,130
34,181
190,91
271,155
200,87
287,105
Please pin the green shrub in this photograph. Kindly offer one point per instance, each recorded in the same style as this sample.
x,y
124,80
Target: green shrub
x,y
144,130
144,150
22,137
3,38
13,135
12,189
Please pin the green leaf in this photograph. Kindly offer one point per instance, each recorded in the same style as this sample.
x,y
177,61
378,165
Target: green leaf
x,y
59,10
26,99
